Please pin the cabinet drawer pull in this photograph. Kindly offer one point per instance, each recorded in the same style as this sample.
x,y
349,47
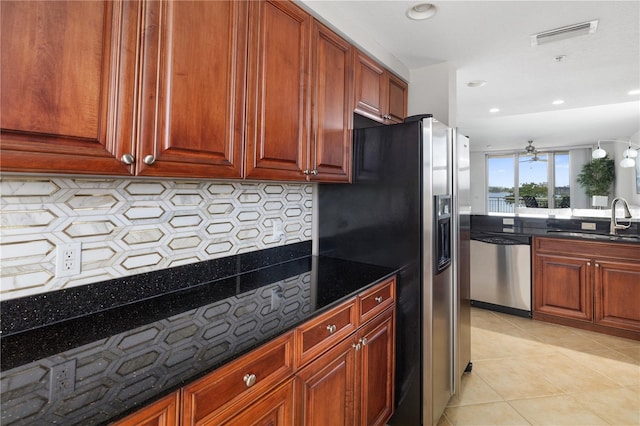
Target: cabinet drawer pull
x,y
597,265
332,328
249,379
127,159
364,341
356,346
588,263
149,160
378,299
314,172
306,172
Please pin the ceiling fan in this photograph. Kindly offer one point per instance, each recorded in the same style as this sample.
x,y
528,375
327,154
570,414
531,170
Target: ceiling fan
x,y
531,150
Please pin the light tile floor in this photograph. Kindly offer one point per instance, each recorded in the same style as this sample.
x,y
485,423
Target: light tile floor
x,y
529,372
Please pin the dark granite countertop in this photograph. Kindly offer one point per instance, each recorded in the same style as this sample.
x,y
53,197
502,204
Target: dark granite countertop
x,y
143,347
555,228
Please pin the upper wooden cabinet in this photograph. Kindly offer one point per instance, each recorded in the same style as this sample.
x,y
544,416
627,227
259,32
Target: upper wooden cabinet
x,y
299,97
277,110
332,106
68,84
192,89
122,88
202,89
379,95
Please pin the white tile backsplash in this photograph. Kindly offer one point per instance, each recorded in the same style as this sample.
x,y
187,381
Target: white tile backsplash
x,y
131,226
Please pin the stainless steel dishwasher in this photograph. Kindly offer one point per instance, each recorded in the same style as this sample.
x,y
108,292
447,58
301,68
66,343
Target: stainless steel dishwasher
x,y
501,272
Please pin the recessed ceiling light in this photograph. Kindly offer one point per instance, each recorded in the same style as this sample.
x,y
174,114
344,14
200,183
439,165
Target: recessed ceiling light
x,y
558,102
422,11
634,92
494,110
476,83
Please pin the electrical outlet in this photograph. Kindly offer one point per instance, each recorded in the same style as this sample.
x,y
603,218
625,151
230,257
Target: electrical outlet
x,y
69,259
63,379
278,231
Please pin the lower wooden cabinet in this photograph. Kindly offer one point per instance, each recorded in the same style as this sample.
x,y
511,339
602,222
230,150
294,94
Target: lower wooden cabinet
x,y
587,284
356,378
376,374
164,412
327,387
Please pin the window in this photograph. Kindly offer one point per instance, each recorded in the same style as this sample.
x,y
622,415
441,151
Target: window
x,y
518,180
501,177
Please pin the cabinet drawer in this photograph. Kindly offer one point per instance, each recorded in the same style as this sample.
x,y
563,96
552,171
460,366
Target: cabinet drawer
x,y
376,299
317,335
234,383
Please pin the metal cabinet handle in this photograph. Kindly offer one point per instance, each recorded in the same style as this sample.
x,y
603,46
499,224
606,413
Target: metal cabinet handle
x,y
249,379
149,160
306,172
588,263
332,328
597,265
363,341
127,159
356,346
378,299
314,172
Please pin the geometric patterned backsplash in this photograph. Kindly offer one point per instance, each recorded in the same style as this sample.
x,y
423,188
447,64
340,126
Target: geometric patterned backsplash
x,y
131,226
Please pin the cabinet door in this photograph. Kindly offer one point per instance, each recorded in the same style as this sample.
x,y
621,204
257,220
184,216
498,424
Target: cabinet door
x,y
398,97
370,87
278,102
563,286
193,89
377,370
67,87
161,413
617,293
274,409
332,109
326,388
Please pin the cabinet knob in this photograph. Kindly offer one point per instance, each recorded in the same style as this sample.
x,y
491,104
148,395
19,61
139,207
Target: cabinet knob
x,y
149,160
597,265
306,172
127,159
378,299
356,346
363,341
249,379
332,328
588,263
314,172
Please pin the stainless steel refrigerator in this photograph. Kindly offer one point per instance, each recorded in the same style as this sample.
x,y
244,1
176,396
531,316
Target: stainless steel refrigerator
x,y
408,207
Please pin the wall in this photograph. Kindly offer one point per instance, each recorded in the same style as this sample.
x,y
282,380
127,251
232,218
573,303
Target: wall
x,y
432,91
130,226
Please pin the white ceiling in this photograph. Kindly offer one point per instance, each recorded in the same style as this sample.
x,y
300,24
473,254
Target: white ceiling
x,y
489,40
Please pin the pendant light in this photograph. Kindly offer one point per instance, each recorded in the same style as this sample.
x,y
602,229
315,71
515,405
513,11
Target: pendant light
x,y
629,154
599,152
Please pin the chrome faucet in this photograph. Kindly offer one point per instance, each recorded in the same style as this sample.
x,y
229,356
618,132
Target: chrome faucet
x,y
614,221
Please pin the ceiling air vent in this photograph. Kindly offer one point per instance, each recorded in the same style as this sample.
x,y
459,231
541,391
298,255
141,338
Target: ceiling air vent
x,y
564,33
